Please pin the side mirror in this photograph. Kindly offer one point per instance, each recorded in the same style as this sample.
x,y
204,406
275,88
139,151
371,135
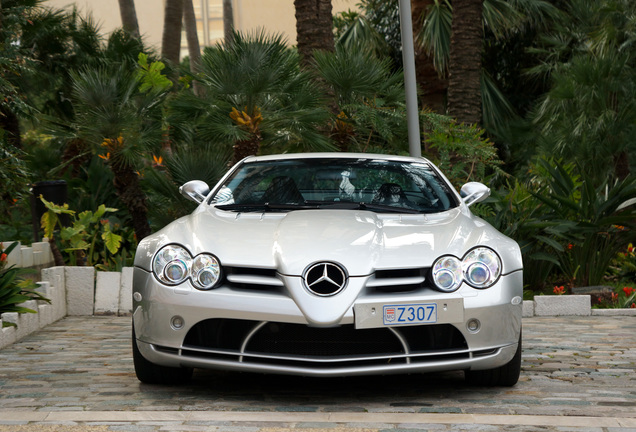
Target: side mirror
x,y
474,192
195,190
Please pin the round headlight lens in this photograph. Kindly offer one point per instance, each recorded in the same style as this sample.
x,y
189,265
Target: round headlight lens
x,y
171,263
206,271
176,271
482,267
447,273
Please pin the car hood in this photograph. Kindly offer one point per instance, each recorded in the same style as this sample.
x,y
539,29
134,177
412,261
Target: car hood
x,y
361,241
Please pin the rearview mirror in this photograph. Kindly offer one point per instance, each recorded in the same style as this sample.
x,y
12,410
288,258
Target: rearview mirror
x,y
195,190
474,192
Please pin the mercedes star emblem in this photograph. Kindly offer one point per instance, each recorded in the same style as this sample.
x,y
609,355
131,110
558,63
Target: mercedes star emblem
x,y
325,279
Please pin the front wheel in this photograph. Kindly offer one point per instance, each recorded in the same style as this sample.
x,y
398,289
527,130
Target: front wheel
x,y
505,376
150,373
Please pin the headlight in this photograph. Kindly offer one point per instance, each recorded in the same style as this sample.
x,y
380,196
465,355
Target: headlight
x,y
480,268
447,273
206,271
173,264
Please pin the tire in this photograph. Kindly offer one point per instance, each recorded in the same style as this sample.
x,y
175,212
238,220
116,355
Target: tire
x,y
503,376
151,373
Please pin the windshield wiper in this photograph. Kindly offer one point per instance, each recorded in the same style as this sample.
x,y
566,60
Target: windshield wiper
x,y
264,207
351,205
311,205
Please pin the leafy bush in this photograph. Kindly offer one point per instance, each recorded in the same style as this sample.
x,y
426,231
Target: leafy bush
x,y
567,228
13,290
91,238
461,151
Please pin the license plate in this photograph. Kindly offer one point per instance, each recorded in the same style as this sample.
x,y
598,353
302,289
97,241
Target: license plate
x,y
410,314
383,314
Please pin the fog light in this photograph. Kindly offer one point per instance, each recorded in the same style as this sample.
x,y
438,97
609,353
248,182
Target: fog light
x,y
176,322
473,325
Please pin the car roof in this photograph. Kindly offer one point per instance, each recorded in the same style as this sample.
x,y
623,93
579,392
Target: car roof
x,y
335,155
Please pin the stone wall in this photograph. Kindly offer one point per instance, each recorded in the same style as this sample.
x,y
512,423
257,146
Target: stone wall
x,y
72,291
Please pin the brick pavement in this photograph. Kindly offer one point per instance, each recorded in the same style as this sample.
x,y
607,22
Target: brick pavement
x,y
579,374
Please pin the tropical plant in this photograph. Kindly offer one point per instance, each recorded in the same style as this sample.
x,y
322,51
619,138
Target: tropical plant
x,y
368,111
461,150
256,100
91,238
13,290
120,122
605,221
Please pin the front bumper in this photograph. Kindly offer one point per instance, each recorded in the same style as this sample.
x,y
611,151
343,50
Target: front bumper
x,y
225,328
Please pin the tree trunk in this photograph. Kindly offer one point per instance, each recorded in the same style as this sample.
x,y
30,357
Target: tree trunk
x,y
245,148
313,28
172,25
464,93
228,22
432,87
129,17
194,50
129,190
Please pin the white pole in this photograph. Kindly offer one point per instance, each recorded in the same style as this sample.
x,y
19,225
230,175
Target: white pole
x,y
410,84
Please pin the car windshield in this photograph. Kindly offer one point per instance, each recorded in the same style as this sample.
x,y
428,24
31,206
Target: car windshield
x,y
368,184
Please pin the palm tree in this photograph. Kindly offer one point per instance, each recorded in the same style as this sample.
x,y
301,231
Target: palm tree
x,y
172,25
116,120
464,90
369,112
256,100
589,114
129,17
313,27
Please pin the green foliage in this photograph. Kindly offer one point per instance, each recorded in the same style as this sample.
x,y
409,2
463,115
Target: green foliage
x,y
568,229
150,75
604,216
589,114
14,290
91,239
14,174
259,75
461,151
368,105
623,266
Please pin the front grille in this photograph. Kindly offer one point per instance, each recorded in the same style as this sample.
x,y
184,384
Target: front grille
x,y
296,344
399,280
246,278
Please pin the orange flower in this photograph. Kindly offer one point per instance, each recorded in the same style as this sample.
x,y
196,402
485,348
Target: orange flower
x,y
614,297
157,161
570,246
3,257
105,157
559,290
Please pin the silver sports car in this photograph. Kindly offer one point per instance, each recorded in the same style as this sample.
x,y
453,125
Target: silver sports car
x,y
329,265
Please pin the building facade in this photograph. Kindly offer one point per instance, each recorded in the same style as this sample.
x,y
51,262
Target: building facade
x,y
274,16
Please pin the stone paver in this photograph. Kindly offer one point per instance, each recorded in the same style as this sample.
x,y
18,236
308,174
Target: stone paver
x,y
579,374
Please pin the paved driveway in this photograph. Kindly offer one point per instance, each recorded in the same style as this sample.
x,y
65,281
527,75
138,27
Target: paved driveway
x,y
579,373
